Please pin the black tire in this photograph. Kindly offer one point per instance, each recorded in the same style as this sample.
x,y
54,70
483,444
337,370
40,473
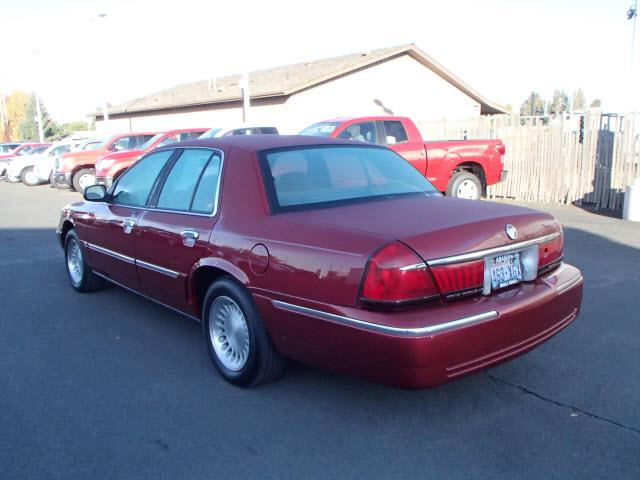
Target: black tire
x,y
88,281
75,181
263,362
25,177
462,179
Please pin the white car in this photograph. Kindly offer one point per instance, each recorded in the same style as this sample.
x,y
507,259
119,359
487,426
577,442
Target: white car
x,y
241,130
23,152
22,168
44,168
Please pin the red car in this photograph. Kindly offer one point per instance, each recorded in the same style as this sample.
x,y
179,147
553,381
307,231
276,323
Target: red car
x,y
461,168
23,149
334,253
109,167
77,169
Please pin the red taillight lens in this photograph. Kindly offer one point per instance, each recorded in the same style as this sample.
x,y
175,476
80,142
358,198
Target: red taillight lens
x,y
396,276
460,277
550,252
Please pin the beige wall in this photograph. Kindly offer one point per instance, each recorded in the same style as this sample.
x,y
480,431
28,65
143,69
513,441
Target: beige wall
x,y
402,86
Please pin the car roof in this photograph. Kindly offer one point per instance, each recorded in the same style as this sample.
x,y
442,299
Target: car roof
x,y
257,143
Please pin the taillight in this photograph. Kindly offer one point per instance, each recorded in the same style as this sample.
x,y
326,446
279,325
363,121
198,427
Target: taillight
x,y
397,277
550,253
460,279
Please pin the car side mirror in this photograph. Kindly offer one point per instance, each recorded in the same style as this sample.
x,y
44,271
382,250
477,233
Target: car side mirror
x,y
95,193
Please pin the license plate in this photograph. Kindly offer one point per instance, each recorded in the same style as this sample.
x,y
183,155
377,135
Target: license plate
x,y
506,270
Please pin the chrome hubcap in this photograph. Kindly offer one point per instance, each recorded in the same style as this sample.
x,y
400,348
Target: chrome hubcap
x,y
74,262
229,333
86,180
467,189
30,177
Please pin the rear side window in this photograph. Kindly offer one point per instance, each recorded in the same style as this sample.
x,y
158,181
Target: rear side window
x,y
192,182
395,132
316,177
134,186
362,132
267,130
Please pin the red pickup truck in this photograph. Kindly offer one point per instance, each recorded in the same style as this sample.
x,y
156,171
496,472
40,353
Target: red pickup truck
x,y
77,169
460,168
110,166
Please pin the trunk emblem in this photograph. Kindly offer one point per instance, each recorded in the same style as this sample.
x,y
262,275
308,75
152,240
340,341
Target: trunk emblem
x,y
512,232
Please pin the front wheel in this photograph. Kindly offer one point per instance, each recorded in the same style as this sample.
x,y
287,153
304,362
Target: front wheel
x,y
80,274
29,177
465,185
83,178
238,342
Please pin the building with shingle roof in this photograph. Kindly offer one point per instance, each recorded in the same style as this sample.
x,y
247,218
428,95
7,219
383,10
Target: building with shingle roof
x,y
399,80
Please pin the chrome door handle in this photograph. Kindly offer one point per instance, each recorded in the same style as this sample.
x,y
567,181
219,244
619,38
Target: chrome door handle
x,y
189,238
128,225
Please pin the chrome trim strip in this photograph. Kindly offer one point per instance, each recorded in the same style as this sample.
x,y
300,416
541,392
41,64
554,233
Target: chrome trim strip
x,y
157,268
101,275
374,327
479,254
415,266
110,253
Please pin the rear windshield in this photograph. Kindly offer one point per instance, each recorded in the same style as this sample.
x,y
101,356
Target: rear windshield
x,y
321,176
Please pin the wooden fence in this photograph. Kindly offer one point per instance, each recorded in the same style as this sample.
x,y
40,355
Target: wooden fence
x,y
582,159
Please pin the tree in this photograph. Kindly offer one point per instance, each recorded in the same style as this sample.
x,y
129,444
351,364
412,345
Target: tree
x,y
579,100
533,105
16,109
560,102
597,103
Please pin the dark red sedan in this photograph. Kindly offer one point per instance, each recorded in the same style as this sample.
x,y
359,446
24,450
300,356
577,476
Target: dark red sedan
x,y
334,253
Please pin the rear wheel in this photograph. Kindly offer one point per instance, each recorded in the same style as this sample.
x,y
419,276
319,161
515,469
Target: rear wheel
x,y
465,185
80,274
83,178
238,342
29,177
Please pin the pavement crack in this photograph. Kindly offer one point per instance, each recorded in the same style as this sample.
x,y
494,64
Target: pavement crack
x,y
561,404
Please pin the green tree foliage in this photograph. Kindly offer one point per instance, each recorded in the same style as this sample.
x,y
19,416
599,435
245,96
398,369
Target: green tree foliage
x,y
560,102
533,105
579,100
28,127
597,103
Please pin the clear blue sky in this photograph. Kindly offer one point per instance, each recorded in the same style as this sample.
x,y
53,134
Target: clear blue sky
x,y
504,49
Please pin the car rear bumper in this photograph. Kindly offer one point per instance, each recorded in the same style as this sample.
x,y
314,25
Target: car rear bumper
x,y
62,179
429,346
106,181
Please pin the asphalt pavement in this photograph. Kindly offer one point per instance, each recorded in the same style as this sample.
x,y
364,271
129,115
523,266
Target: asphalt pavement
x,y
109,385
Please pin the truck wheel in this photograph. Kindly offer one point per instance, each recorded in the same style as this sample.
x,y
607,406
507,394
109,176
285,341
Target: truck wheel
x,y
29,177
238,342
83,178
465,185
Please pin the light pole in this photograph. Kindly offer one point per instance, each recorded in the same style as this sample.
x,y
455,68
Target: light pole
x,y
105,105
632,14
246,97
38,117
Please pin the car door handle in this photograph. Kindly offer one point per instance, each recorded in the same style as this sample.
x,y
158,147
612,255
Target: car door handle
x,y
189,238
128,225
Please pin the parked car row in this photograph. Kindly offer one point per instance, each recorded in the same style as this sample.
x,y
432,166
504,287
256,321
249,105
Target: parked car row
x,y
460,168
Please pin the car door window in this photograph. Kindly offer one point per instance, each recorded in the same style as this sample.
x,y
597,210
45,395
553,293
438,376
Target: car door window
x,y
394,132
142,139
135,185
362,132
206,196
179,187
122,144
189,136
59,150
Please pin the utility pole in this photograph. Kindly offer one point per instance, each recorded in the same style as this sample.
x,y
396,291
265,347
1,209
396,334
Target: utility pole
x,y
38,118
246,97
632,14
